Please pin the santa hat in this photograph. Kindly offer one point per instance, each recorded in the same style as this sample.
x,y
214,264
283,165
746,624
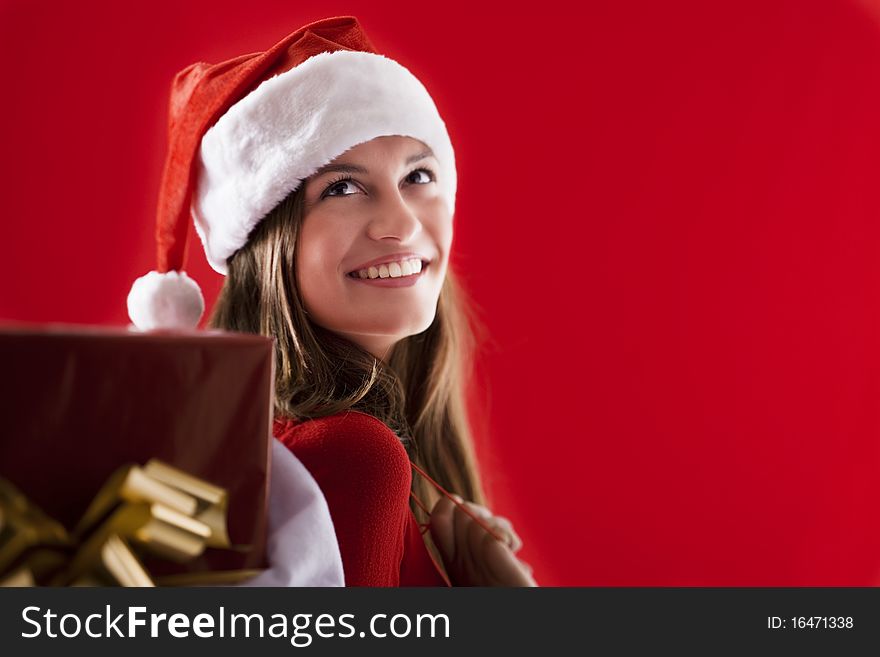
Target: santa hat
x,y
244,133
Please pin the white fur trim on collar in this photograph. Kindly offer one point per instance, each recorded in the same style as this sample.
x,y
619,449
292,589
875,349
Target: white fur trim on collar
x,y
292,124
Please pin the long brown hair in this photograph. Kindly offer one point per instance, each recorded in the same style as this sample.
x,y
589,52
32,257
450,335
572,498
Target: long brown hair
x,y
420,393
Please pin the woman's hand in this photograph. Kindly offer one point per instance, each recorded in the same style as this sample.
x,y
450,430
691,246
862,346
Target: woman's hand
x,y
472,556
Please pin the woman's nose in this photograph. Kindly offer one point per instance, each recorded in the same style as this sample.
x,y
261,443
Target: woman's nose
x,y
395,218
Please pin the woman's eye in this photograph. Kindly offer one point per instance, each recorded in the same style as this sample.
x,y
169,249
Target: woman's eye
x,y
426,176
340,185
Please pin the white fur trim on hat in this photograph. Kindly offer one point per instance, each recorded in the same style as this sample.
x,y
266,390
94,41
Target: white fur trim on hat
x,y
165,301
294,123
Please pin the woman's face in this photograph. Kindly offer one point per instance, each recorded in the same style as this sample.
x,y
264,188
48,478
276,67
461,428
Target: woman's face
x,y
376,210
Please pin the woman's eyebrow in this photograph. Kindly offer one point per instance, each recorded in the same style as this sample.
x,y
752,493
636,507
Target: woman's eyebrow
x,y
420,156
354,168
344,168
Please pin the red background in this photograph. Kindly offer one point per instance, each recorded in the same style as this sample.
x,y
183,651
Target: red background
x,y
668,213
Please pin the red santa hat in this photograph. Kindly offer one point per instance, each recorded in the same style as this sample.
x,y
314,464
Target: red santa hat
x,y
244,133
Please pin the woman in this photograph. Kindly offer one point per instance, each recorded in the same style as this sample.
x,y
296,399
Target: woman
x,y
323,186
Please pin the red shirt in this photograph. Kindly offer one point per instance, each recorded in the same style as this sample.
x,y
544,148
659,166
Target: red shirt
x,y
365,474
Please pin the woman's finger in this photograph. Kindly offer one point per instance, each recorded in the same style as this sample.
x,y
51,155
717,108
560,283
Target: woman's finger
x,y
478,509
461,523
505,569
442,527
499,524
504,527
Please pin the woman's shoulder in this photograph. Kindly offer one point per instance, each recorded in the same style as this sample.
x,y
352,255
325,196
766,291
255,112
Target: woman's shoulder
x,y
345,429
365,475
350,440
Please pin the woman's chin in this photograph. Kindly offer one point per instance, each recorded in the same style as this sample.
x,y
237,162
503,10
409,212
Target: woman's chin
x,y
386,333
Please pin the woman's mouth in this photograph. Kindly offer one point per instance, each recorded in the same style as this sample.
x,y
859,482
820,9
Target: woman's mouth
x,y
402,273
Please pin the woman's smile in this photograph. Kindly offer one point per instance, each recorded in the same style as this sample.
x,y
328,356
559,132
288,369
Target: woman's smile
x,y
392,275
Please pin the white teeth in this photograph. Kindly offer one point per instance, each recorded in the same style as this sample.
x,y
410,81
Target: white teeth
x,y
392,269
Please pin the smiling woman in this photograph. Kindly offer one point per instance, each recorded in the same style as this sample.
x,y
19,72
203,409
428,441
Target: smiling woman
x,y
362,237
347,268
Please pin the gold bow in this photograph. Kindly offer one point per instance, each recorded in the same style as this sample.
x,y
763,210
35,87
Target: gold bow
x,y
151,510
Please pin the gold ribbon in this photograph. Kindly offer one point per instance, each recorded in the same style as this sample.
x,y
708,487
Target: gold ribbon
x,y
152,509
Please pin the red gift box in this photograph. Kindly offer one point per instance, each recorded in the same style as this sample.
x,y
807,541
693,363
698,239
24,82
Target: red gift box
x,y
79,402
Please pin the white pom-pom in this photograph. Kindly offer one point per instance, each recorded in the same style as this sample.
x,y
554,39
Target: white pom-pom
x,y
165,301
